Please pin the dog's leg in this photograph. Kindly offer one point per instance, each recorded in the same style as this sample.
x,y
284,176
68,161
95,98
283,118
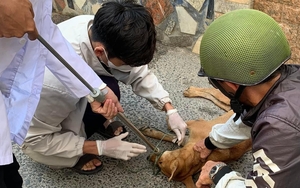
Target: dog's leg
x,y
211,94
157,134
189,182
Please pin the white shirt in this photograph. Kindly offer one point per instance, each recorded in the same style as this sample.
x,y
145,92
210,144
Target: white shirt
x,y
143,82
22,65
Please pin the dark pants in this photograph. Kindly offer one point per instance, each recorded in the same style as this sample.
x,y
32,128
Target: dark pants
x,y
9,175
94,122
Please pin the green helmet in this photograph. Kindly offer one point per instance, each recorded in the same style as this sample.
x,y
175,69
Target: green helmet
x,y
244,47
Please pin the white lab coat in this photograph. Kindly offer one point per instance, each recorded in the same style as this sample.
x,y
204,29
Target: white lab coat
x,y
22,64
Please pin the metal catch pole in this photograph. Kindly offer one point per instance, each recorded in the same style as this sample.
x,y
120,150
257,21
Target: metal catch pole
x,y
94,91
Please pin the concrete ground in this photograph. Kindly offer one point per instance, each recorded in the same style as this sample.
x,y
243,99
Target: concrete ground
x,y
176,68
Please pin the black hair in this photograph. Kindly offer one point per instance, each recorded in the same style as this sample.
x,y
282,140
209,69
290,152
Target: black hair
x,y
127,31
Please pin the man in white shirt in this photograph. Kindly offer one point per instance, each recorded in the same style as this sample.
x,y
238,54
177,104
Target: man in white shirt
x,y
117,43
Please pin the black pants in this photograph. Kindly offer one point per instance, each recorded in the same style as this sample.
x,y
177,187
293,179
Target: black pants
x,y
94,122
9,175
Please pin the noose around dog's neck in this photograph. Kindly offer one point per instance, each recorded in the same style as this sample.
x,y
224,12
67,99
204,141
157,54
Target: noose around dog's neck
x,y
156,168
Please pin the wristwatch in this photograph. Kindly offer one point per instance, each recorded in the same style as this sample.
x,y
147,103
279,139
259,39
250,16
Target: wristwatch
x,y
99,95
215,170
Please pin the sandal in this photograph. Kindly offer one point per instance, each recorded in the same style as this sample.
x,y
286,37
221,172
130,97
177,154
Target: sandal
x,y
109,131
85,159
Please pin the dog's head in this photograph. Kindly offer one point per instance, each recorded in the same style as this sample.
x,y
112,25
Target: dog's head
x,y
179,164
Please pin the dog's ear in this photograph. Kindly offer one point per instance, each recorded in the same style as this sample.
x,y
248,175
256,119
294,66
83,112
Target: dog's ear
x,y
173,167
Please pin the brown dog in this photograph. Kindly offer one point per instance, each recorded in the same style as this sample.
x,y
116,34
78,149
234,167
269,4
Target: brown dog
x,y
182,164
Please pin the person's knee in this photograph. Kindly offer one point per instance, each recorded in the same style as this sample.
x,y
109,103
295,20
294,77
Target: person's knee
x,y
54,162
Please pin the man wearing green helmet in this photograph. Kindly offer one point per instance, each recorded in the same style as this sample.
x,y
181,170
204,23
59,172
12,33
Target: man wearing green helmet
x,y
243,54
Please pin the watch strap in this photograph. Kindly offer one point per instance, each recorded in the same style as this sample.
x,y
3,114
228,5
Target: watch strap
x,y
215,169
224,170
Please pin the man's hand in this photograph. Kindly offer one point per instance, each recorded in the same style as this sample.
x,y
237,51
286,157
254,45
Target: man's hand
x,y
202,149
204,178
111,95
16,19
110,107
117,148
177,125
106,109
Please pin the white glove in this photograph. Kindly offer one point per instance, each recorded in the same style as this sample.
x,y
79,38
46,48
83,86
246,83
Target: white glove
x,y
117,148
177,125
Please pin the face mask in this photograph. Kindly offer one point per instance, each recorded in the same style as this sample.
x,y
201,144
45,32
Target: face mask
x,y
109,63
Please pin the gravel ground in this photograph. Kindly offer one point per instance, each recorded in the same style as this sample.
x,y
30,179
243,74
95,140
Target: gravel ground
x,y
176,69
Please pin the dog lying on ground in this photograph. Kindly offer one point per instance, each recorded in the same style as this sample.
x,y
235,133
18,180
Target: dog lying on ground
x,y
181,164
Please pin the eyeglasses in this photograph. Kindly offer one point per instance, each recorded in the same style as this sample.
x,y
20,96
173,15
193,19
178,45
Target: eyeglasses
x,y
213,82
218,86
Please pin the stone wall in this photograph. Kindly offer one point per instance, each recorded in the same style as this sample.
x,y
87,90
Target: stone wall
x,y
287,13
178,22
182,22
222,7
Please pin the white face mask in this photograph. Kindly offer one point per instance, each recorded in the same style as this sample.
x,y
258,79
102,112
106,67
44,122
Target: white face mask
x,y
113,66
109,63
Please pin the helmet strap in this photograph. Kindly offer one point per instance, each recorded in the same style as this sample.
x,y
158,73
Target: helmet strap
x,y
235,104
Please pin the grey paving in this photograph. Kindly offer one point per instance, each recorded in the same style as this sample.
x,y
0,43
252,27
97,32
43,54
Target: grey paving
x,y
176,68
